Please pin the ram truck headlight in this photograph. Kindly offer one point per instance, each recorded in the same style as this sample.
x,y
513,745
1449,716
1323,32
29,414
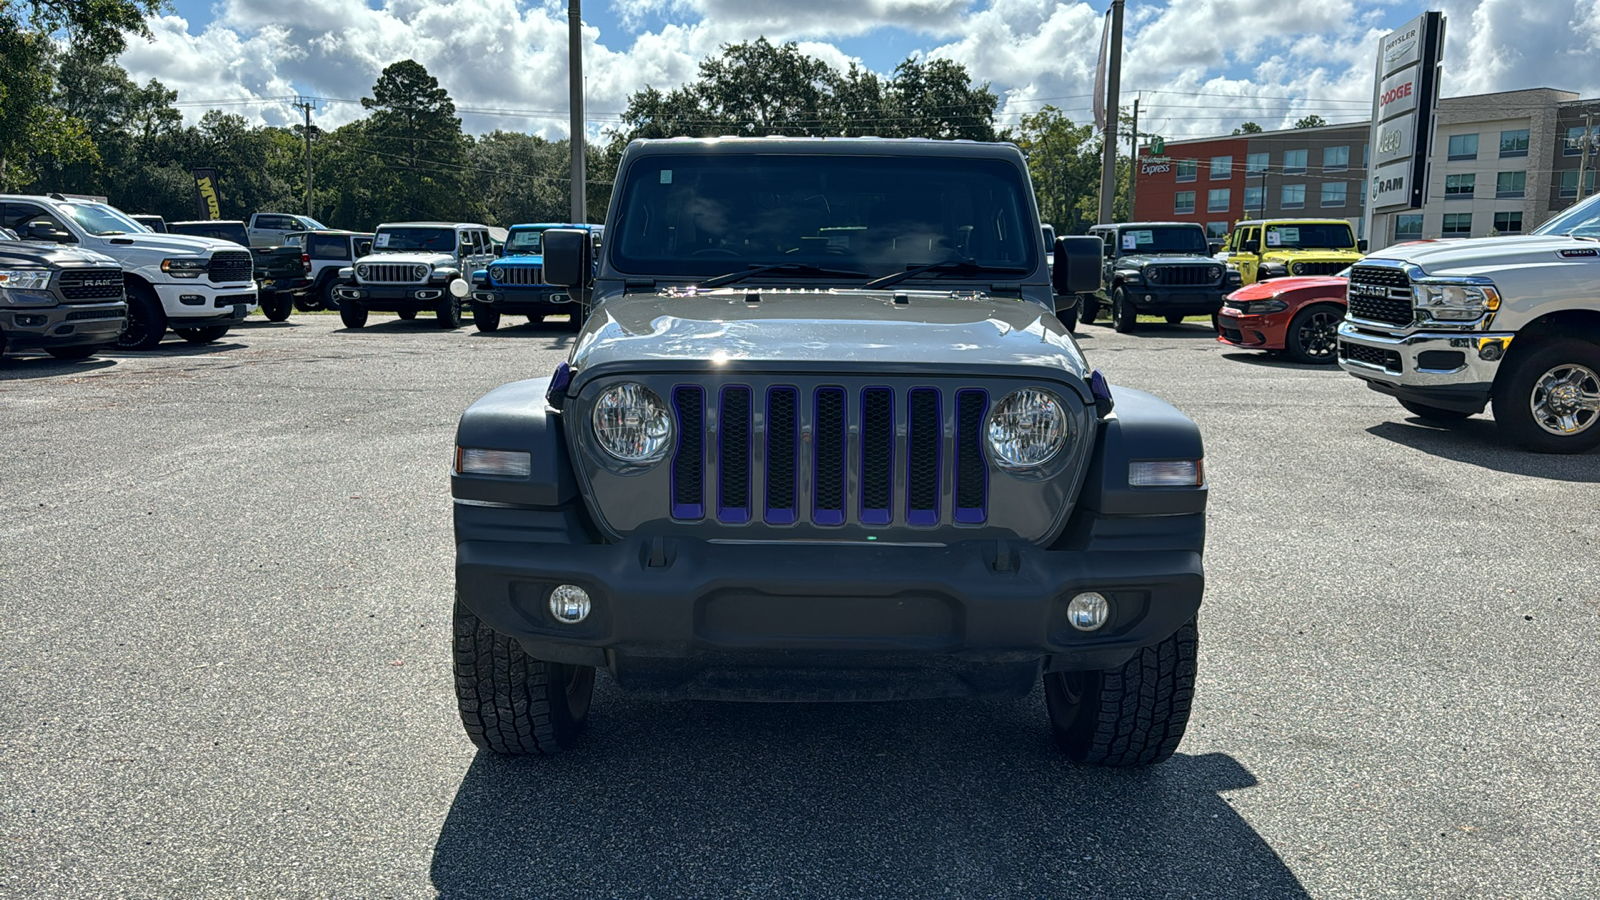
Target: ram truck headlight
x,y
185,268
1446,301
632,424
25,287
1027,429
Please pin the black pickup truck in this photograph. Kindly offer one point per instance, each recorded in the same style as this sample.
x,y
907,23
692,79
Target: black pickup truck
x,y
279,271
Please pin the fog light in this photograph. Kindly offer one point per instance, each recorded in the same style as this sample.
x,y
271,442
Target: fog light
x,y
1491,351
569,604
1149,298
30,321
1088,611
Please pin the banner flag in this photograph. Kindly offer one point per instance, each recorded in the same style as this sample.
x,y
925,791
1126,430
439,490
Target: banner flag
x,y
207,201
1100,74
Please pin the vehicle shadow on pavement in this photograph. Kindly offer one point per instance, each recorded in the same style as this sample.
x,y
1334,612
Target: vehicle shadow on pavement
x,y
1259,358
1476,442
16,368
850,800
1185,331
528,330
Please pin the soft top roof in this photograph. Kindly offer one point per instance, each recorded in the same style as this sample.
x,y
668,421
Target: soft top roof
x,y
828,146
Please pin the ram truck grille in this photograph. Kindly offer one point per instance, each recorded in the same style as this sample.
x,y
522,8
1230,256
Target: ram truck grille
x,y
1380,294
90,285
230,266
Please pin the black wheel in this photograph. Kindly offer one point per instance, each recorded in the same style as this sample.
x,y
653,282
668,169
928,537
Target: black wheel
x,y
276,307
576,318
536,318
1549,401
1313,335
1124,318
329,301
1134,715
79,352
407,314
448,312
207,335
1088,308
353,316
510,702
1434,413
487,318
2,349
306,303
146,321
1174,319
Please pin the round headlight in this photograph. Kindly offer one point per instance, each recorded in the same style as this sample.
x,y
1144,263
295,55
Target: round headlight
x,y
1152,274
631,423
497,273
361,271
419,272
1216,272
1296,268
1027,429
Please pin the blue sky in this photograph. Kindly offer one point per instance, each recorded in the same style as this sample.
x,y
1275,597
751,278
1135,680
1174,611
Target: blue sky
x,y
1205,65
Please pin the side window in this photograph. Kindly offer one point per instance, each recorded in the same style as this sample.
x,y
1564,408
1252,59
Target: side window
x,y
18,216
1251,234
485,245
363,246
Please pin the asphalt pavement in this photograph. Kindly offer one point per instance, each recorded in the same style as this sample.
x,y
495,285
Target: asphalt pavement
x,y
226,575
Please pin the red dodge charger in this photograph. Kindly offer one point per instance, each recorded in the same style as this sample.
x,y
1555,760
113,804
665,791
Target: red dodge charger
x,y
1299,316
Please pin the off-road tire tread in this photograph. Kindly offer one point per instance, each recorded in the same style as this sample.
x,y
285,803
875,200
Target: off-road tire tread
x,y
1143,707
1510,393
1128,322
502,692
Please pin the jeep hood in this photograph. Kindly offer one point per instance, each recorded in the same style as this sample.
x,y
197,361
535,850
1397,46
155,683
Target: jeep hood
x,y
409,257
1322,253
1140,259
932,332
521,259
1482,255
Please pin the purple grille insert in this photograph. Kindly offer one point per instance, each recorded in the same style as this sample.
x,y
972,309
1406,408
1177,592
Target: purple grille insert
x,y
924,452
733,456
877,455
972,472
828,457
783,456
688,460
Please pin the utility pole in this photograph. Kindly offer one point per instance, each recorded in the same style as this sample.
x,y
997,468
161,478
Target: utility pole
x,y
580,205
1583,161
1108,165
305,106
1133,169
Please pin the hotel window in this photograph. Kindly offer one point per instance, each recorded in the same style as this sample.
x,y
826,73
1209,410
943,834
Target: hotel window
x,y
1186,169
1218,200
1256,163
1513,143
1408,227
1255,199
1221,168
1183,203
1294,161
1333,193
1294,196
1510,185
1457,225
1573,146
1460,185
1335,159
1463,146
1508,223
1569,182
1216,229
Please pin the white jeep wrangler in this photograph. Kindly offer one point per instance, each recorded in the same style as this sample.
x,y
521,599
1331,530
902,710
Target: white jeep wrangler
x,y
416,266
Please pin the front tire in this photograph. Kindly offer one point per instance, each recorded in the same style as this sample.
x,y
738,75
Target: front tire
x,y
1550,401
276,307
448,312
510,702
351,315
1174,319
1069,314
208,335
1133,715
1313,335
1088,308
1433,413
146,321
1124,318
485,317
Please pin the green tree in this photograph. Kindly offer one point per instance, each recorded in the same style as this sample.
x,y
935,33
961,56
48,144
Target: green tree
x,y
937,99
1311,121
1248,128
414,133
1064,163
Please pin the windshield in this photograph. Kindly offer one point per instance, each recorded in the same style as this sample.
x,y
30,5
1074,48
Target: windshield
x,y
1311,236
222,231
393,240
525,243
309,223
1582,220
100,220
1165,240
7,234
701,215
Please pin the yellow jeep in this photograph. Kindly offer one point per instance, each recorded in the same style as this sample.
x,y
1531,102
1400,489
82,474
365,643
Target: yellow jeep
x,y
1274,248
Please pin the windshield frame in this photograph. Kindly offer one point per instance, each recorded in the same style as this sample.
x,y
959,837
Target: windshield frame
x,y
1153,248
1270,227
510,248
439,232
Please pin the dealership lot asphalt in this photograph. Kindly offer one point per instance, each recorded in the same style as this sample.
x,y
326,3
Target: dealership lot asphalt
x,y
226,575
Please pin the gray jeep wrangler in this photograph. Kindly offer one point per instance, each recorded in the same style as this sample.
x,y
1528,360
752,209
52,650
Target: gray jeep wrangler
x,y
821,438
1156,269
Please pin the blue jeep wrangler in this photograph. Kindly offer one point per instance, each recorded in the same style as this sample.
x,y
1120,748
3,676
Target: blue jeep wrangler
x,y
514,283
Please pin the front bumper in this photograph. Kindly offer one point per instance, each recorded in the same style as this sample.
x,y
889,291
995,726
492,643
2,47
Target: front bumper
x,y
198,300
820,621
391,298
63,326
1160,300
1452,370
1253,332
521,301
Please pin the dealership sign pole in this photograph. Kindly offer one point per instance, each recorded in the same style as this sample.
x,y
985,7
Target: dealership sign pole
x,y
1404,99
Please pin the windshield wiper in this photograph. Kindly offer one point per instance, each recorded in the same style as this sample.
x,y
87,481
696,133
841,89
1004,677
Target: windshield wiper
x,y
947,267
788,268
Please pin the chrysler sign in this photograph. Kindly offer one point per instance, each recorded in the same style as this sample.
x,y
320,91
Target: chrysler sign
x,y
1405,92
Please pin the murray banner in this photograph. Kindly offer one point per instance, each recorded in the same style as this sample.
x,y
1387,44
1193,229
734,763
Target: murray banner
x,y
206,199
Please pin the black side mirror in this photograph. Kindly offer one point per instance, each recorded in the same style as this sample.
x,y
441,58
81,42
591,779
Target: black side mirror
x,y
1250,247
1361,245
1077,268
567,258
44,231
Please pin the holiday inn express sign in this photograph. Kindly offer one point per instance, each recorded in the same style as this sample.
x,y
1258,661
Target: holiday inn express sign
x,y
1406,92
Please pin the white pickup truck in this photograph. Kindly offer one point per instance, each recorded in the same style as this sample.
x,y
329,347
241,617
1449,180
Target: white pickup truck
x,y
196,286
270,229
1450,327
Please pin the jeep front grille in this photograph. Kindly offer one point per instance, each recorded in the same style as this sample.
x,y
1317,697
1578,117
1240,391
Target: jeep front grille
x,y
1317,268
517,276
391,273
1380,294
90,285
231,265
1183,276
843,478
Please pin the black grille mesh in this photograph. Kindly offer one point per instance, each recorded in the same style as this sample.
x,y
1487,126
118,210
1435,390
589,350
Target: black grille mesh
x,y
830,449
688,490
971,474
231,265
1372,356
1182,276
922,451
783,449
90,285
733,492
1319,268
877,448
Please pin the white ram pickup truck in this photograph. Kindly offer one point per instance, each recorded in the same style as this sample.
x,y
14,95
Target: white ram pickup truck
x,y
199,287
1450,327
